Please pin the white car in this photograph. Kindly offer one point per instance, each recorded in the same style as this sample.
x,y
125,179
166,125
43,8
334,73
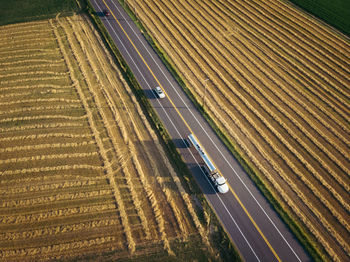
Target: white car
x,y
159,92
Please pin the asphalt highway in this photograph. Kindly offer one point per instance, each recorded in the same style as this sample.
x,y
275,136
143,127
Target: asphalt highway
x,y
253,226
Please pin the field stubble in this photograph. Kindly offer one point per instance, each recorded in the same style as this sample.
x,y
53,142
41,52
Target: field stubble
x,y
279,89
82,171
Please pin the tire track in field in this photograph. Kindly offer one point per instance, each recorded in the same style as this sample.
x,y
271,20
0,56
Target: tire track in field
x,y
109,172
135,129
122,132
115,134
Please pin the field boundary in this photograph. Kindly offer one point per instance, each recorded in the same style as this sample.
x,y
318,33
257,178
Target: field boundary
x,y
294,224
222,241
323,14
23,15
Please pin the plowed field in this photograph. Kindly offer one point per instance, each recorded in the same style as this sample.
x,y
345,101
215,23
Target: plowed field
x,y
279,87
82,172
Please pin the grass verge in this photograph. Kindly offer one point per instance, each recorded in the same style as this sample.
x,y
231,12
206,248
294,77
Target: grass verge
x,y
219,238
295,225
16,11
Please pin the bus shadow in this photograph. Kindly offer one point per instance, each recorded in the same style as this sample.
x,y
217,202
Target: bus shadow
x,y
202,180
181,143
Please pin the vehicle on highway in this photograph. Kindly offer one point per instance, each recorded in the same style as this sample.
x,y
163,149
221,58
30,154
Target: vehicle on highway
x,y
106,13
209,169
159,92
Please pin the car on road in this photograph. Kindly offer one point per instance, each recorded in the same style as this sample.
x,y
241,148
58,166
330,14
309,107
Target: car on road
x,y
159,92
106,13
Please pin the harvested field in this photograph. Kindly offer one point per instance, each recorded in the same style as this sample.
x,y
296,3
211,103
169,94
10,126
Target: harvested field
x,y
279,88
82,172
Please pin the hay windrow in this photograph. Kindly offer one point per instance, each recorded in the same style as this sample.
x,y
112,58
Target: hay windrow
x,y
39,100
42,117
48,135
41,126
44,146
124,135
41,108
281,78
130,242
49,62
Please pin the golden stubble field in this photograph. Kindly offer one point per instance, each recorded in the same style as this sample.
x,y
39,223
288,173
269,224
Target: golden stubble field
x,y
279,88
81,170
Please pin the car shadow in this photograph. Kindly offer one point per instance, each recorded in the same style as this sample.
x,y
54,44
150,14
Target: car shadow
x,y
98,13
150,94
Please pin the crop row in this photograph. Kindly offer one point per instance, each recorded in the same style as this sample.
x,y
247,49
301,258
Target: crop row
x,y
54,230
332,40
289,55
42,126
43,61
261,45
35,217
40,100
57,200
48,135
39,41
61,248
44,146
41,108
27,188
81,168
14,28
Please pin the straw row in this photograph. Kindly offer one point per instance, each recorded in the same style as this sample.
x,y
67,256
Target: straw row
x,y
55,230
41,117
50,199
44,62
190,30
40,100
57,185
45,146
47,135
52,249
41,108
37,217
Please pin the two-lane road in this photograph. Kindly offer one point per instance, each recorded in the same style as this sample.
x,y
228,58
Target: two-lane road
x,y
254,227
